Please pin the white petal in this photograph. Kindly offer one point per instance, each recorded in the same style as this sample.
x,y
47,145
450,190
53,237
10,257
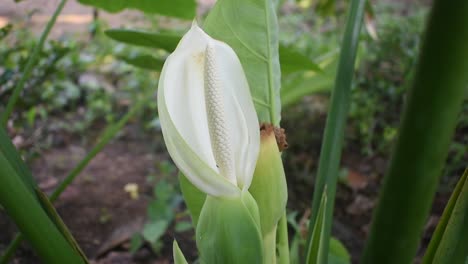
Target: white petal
x,y
182,110
194,168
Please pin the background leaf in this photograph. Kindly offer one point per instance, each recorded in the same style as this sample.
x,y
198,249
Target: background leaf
x,y
338,253
165,41
176,8
450,239
177,254
143,61
292,60
154,230
250,27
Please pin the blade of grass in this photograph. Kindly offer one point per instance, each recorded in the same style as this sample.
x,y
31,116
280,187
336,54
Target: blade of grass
x,y
334,130
107,135
30,65
428,123
449,243
442,225
23,207
318,239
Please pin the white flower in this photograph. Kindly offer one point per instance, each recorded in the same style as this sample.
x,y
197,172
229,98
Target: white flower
x,y
207,115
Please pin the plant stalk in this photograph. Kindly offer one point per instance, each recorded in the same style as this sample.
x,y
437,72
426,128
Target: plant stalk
x,y
282,242
330,154
428,123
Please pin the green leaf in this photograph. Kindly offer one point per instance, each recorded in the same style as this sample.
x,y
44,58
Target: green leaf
x,y
135,243
297,85
268,186
450,239
293,60
108,134
22,206
160,210
143,61
179,257
228,231
5,30
176,8
55,217
183,226
338,253
163,191
317,251
325,7
165,41
153,231
193,197
250,27
427,126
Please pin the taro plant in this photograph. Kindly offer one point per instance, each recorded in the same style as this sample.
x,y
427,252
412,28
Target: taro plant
x,y
219,105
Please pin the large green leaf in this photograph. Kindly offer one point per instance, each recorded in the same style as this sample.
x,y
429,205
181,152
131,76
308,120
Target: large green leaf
x,y
250,27
24,208
177,8
430,116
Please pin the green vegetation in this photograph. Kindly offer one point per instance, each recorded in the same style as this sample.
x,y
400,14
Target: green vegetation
x,y
376,91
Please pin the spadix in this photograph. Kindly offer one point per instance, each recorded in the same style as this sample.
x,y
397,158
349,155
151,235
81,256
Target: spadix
x,y
207,115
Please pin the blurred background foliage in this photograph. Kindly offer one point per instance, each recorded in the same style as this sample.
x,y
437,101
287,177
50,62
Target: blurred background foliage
x,y
83,82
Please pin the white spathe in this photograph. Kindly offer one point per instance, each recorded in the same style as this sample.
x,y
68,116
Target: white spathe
x,y
207,115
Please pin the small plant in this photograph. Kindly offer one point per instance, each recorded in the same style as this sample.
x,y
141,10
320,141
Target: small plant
x,y
161,215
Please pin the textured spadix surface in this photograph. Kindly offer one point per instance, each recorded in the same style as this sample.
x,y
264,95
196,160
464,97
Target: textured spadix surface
x,y
207,115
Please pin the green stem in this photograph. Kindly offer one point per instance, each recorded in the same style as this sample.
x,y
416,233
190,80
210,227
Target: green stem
x,y
269,247
428,123
30,65
282,240
334,130
108,134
